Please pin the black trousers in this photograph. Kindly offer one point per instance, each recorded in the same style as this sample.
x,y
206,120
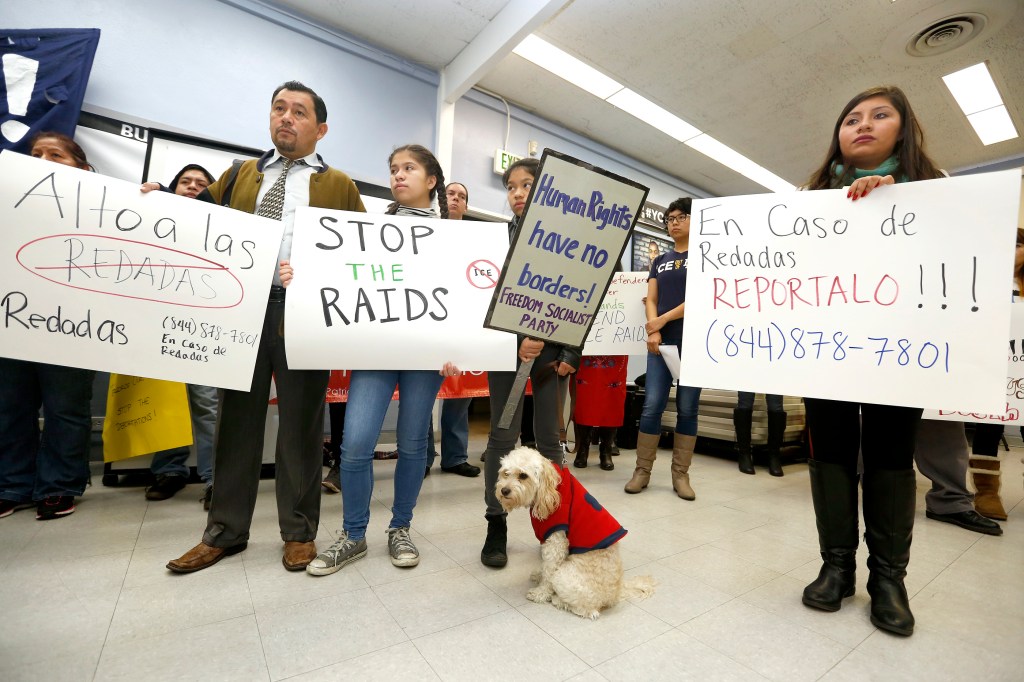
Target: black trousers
x,y
885,435
238,459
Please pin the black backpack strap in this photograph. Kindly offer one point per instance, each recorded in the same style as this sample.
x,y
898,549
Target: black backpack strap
x,y
226,196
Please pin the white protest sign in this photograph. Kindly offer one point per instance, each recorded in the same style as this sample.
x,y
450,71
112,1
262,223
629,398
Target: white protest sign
x,y
394,292
96,274
577,221
1014,399
898,298
619,326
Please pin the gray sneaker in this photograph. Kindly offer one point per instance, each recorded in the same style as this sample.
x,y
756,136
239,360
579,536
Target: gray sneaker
x,y
334,558
403,552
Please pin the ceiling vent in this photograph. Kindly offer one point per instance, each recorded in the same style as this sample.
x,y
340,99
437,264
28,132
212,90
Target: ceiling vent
x,y
946,34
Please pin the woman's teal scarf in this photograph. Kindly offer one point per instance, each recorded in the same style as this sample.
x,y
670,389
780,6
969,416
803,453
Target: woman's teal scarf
x,y
888,167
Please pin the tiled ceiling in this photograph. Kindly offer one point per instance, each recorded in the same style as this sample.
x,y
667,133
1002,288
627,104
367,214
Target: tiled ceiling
x,y
766,77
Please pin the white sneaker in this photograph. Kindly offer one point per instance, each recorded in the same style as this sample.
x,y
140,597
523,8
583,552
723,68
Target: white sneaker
x,y
403,552
335,557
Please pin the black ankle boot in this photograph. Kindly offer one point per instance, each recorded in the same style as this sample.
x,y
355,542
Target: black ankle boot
x,y
583,436
607,437
776,434
744,455
493,554
889,498
834,493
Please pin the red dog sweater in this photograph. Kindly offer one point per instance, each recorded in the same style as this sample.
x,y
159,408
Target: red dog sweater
x,y
587,524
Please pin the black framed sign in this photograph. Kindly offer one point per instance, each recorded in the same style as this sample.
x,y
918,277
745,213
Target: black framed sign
x,y
575,227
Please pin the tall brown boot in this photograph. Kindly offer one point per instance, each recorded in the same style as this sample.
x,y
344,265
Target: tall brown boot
x,y
985,472
682,455
646,452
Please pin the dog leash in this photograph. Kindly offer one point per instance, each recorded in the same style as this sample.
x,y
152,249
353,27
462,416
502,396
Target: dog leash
x,y
547,371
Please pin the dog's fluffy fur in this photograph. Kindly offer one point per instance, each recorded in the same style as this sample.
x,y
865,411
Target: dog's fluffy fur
x,y
584,584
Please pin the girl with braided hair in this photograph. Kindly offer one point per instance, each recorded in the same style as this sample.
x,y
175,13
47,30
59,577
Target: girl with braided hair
x,y
416,180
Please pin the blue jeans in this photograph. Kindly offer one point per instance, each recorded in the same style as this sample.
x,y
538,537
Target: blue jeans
x,y
202,402
454,433
745,401
33,468
656,390
369,395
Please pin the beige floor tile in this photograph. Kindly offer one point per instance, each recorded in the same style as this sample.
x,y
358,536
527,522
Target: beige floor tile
x,y
180,602
507,641
312,635
59,664
399,662
228,650
720,569
618,629
272,587
431,602
773,646
673,656
946,655
677,598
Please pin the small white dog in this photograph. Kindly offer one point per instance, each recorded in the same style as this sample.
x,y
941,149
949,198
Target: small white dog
x,y
581,570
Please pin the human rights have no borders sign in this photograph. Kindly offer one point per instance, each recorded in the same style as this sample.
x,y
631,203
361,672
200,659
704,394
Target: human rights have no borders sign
x,y
577,222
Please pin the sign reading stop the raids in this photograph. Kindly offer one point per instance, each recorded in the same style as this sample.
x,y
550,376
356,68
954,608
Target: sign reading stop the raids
x,y
576,224
393,292
96,274
899,298
1014,394
620,323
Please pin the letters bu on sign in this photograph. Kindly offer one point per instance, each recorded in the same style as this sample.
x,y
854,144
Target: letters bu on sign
x,y
900,298
95,274
393,292
576,224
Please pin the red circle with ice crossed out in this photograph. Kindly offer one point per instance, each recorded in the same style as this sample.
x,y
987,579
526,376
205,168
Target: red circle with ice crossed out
x,y
483,274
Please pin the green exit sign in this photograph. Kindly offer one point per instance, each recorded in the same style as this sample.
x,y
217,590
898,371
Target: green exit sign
x,y
503,159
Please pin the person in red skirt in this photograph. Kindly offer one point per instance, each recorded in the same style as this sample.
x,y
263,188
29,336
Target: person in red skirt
x,y
600,400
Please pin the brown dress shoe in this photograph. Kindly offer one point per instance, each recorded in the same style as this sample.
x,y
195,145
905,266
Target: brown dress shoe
x,y
298,554
202,556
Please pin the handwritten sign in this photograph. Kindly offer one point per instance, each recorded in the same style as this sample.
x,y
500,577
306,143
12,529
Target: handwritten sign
x,y
1014,400
899,298
95,274
393,292
619,326
577,222
143,416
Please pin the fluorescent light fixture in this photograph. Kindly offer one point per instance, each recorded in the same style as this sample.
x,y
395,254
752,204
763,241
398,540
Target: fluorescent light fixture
x,y
993,125
564,65
567,67
712,148
978,97
650,113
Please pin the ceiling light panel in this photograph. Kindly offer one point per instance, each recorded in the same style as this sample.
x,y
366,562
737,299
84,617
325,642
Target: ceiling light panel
x,y
993,125
567,67
712,148
973,89
653,115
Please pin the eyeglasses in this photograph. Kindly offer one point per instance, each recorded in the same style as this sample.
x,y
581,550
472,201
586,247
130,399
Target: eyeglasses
x,y
677,218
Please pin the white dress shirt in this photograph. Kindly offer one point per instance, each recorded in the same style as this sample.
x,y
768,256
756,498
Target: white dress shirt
x,y
296,193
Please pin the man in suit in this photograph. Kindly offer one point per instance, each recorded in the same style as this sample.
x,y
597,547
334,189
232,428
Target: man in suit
x,y
289,175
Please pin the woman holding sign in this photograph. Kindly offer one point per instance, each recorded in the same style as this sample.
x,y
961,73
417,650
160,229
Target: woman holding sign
x,y
666,303
549,359
876,141
49,471
416,178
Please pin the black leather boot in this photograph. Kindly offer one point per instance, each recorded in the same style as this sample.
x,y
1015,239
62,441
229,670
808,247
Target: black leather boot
x,y
493,554
606,435
776,432
834,492
889,498
744,455
583,436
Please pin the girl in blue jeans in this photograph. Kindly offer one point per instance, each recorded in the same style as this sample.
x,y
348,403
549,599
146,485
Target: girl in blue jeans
x,y
416,178
666,303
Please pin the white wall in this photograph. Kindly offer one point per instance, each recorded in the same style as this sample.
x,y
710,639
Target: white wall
x,y
210,68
